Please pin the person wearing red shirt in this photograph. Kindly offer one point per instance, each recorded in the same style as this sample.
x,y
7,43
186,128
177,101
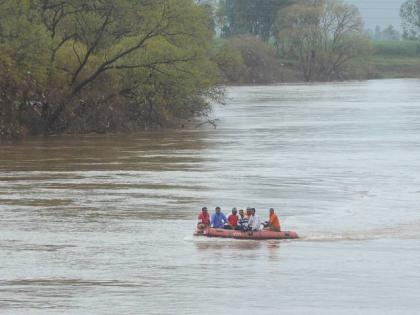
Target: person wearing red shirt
x,y
203,219
233,219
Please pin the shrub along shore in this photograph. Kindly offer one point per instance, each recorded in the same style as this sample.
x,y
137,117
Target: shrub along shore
x,y
104,65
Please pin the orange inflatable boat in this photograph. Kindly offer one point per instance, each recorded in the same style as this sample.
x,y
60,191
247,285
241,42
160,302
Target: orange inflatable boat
x,y
249,235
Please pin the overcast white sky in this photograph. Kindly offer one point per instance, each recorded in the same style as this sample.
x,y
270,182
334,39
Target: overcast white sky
x,y
379,12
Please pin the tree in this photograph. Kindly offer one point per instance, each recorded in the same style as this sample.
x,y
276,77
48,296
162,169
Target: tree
x,y
249,60
23,64
390,33
106,36
378,33
97,62
256,17
324,36
410,15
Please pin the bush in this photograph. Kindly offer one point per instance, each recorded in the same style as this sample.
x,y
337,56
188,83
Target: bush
x,y
247,59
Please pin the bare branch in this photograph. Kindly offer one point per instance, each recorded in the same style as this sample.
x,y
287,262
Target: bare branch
x,y
91,49
105,65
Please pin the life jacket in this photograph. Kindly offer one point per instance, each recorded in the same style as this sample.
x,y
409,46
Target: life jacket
x,y
274,221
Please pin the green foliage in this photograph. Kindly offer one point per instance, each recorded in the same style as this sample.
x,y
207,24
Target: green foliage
x,y
323,36
395,66
229,60
26,42
247,59
109,65
397,48
396,59
256,17
410,15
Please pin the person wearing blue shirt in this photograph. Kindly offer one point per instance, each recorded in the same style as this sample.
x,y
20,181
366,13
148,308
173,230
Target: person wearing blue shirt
x,y
218,219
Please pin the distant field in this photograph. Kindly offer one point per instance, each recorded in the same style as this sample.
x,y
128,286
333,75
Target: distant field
x,y
395,67
400,48
396,59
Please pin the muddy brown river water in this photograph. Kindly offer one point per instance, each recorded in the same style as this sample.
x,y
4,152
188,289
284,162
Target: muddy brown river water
x,y
103,224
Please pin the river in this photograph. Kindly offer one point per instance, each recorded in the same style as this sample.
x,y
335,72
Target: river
x,y
102,224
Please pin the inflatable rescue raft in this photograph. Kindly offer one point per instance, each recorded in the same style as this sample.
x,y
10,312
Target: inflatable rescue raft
x,y
251,235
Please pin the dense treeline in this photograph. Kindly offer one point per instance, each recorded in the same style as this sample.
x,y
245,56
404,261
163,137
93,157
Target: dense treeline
x,y
314,40
103,65
252,17
75,66
319,38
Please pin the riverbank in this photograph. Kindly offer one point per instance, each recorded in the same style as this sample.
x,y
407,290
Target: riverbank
x,y
395,67
374,67
395,59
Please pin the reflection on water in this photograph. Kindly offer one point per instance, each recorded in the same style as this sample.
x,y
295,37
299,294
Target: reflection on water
x,y
240,249
102,224
229,245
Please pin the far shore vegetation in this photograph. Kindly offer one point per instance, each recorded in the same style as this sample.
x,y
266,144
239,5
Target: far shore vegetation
x,y
102,66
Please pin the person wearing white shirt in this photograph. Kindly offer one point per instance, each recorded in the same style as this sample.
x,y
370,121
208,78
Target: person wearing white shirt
x,y
254,222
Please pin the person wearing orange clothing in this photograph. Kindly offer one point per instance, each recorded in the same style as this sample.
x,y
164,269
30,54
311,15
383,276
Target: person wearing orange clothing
x,y
203,219
273,223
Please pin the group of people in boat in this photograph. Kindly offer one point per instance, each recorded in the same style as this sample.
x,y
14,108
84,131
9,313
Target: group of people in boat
x,y
247,220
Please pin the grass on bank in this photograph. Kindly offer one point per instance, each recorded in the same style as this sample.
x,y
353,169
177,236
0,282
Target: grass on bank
x,y
407,48
396,59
